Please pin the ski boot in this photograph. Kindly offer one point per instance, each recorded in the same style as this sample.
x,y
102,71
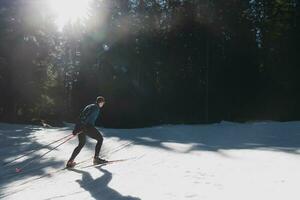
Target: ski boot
x,y
70,164
98,161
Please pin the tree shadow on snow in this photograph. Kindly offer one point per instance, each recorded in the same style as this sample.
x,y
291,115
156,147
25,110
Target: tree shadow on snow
x,y
98,188
17,140
275,136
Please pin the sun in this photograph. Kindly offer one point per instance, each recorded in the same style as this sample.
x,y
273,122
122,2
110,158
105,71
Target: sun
x,y
69,11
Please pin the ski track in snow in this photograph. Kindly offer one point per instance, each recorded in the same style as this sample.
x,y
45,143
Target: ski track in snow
x,y
257,160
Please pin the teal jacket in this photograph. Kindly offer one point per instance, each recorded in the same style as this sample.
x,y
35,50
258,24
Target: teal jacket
x,y
90,114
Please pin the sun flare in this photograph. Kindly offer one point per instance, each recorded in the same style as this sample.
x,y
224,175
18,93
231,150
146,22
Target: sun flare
x,y
69,11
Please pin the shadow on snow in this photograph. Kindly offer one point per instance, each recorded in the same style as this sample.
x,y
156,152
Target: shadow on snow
x,y
98,188
17,140
275,136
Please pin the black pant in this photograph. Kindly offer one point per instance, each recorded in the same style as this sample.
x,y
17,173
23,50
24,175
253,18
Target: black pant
x,y
92,132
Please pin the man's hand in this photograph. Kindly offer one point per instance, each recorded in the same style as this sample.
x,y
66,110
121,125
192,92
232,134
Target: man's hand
x,y
77,129
78,133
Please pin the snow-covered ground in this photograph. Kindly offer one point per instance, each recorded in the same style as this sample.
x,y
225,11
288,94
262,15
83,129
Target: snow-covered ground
x,y
259,160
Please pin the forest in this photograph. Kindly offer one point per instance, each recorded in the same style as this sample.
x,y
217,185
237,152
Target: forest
x,y
154,61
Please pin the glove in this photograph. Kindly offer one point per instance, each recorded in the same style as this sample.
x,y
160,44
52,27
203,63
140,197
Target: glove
x,y
77,129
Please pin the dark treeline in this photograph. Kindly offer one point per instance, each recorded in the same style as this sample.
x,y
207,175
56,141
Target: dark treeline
x,y
155,61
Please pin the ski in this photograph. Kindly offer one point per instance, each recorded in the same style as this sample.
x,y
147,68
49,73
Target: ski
x,y
60,170
51,173
103,164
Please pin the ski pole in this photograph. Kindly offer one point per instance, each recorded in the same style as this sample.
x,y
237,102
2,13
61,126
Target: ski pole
x,y
33,151
27,164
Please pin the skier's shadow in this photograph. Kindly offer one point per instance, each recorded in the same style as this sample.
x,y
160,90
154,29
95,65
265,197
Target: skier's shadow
x,y
98,187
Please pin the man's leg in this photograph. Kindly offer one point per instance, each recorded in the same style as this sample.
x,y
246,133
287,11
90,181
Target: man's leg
x,y
95,134
82,139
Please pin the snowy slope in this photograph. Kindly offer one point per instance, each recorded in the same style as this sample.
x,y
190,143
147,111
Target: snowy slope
x,y
220,161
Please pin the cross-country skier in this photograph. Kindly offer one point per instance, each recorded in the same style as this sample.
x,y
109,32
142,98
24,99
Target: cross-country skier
x,y
86,126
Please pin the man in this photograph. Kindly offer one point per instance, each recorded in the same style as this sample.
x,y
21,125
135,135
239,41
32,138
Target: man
x,y
86,126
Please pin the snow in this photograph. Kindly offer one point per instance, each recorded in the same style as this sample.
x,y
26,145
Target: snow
x,y
255,160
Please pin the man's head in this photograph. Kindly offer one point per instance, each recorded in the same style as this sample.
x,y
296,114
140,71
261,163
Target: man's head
x,y
100,101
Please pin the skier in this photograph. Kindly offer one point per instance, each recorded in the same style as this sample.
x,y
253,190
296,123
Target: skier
x,y
86,126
